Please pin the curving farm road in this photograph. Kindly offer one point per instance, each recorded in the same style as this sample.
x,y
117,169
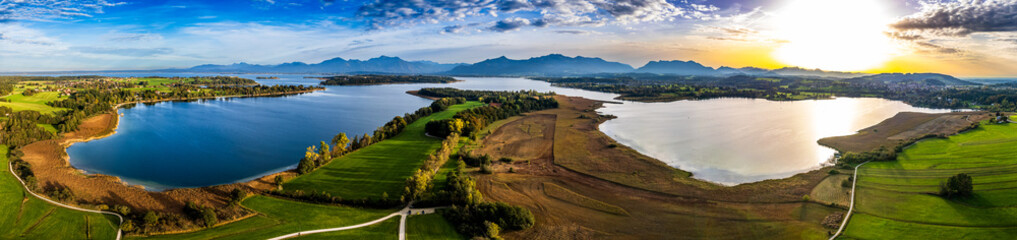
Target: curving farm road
x,y
402,213
119,232
854,183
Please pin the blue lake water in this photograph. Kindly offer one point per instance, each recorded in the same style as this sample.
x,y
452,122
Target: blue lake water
x,y
192,144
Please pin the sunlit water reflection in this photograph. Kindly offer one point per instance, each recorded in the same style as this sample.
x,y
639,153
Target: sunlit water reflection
x,y
732,141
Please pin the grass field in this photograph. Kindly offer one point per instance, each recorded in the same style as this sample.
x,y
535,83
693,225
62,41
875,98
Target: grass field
x,y
279,217
379,168
387,230
27,217
36,102
431,226
896,200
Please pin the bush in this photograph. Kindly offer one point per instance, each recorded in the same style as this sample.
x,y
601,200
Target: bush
x,y
486,169
236,196
151,219
846,183
956,186
472,220
208,217
505,160
833,172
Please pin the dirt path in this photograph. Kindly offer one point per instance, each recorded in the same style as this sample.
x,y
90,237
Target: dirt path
x,y
119,231
402,213
854,183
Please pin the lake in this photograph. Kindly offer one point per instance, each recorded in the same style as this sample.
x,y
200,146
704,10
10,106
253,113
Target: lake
x,y
192,144
734,140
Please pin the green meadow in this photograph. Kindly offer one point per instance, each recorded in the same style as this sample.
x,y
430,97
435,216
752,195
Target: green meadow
x,y
898,199
25,216
380,168
277,217
430,226
36,102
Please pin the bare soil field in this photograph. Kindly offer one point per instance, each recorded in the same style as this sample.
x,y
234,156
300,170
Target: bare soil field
x,y
904,128
580,184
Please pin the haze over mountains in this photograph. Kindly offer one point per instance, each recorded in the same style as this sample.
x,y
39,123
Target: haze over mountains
x,y
553,65
383,64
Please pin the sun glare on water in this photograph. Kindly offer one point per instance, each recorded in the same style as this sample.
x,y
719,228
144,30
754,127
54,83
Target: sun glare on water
x,y
838,35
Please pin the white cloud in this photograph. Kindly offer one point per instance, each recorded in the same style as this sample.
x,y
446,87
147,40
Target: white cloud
x,y
385,13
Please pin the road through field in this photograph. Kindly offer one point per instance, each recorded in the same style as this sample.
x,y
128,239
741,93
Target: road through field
x,y
119,232
402,213
854,183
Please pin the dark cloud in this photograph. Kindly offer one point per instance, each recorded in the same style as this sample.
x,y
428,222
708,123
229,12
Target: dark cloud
x,y
930,47
907,36
385,13
963,17
514,5
130,52
510,24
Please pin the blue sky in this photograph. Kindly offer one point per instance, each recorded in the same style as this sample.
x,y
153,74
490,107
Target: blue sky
x,y
60,35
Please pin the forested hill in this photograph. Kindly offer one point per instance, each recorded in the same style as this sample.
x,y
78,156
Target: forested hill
x,y
933,79
550,65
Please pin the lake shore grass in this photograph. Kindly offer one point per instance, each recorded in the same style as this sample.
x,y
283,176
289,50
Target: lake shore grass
x,y
380,168
580,184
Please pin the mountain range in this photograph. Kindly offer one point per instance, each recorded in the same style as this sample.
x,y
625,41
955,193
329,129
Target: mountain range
x,y
556,65
383,64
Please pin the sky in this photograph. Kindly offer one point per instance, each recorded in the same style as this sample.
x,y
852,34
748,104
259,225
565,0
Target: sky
x,y
968,38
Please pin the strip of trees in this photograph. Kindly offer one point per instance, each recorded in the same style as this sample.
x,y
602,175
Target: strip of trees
x,y
419,184
500,106
88,102
316,156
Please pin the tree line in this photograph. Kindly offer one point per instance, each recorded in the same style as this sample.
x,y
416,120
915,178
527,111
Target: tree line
x,y
316,156
998,97
88,102
501,105
419,184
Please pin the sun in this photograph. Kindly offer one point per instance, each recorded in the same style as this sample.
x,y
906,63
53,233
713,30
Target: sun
x,y
838,35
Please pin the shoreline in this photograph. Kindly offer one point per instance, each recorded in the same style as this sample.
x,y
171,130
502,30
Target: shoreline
x,y
109,131
51,165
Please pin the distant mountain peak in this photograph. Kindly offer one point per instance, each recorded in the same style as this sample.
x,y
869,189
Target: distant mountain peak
x,y
547,65
381,64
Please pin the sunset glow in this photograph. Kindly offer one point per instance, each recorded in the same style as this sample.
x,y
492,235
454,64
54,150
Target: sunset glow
x,y
840,35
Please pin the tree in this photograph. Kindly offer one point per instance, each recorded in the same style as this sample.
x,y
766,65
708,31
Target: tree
x,y
237,195
309,162
493,231
959,185
209,217
324,155
128,226
278,180
339,141
151,219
